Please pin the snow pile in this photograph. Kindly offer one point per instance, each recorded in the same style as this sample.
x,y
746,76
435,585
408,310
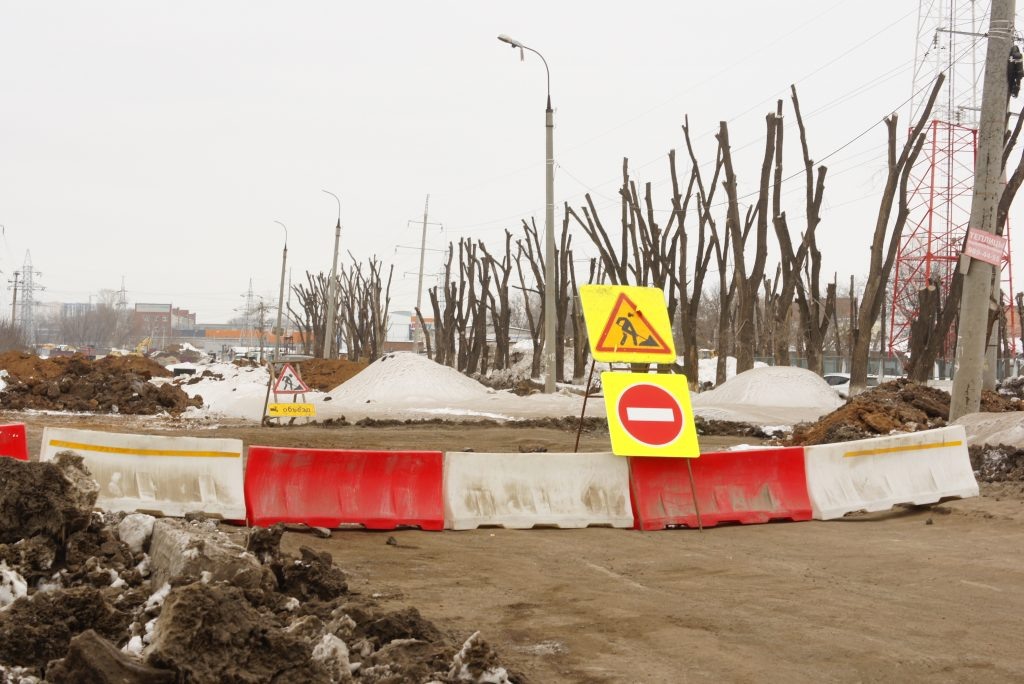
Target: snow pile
x,y
406,378
993,428
227,390
769,395
707,369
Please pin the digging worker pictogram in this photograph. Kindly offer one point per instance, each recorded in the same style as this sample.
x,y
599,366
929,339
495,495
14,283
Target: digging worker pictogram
x,y
627,329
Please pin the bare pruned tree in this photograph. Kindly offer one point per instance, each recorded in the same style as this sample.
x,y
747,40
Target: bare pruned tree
x,y
747,279
887,235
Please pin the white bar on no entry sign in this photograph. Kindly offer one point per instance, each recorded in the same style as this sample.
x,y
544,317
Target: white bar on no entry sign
x,y
650,415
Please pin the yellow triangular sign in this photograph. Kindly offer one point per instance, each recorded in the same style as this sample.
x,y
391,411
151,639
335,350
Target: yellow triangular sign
x,y
289,382
628,331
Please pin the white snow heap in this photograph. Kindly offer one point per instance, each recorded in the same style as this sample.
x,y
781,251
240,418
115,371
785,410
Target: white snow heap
x,y
772,395
774,386
993,428
135,530
12,586
459,671
407,378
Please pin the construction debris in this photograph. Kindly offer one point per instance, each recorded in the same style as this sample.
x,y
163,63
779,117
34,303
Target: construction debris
x,y
104,598
892,407
113,384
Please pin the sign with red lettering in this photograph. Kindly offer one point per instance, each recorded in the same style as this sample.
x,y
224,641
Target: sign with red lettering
x,y
985,246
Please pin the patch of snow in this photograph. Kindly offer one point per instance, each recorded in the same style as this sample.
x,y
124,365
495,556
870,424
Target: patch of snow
x,y
135,530
707,369
407,378
12,586
993,428
134,647
463,412
157,599
768,396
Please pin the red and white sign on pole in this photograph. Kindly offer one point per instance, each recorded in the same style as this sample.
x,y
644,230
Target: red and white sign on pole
x,y
649,415
985,246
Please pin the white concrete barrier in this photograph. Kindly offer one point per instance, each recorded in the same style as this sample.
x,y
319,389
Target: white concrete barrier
x,y
162,475
875,474
525,490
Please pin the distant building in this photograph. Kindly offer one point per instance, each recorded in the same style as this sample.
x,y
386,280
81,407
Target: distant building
x,y
161,323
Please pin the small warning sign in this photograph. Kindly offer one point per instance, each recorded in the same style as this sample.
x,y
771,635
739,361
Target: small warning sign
x,y
288,382
627,324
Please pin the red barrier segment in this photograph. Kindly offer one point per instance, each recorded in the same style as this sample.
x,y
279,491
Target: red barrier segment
x,y
380,490
13,442
753,486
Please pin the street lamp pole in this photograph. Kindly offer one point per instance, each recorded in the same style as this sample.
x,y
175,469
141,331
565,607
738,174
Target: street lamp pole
x,y
280,296
332,286
550,343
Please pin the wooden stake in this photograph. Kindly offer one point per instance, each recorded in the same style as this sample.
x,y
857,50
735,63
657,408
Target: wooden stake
x,y
586,395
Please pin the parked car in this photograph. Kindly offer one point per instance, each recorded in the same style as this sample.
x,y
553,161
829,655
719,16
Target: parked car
x,y
840,382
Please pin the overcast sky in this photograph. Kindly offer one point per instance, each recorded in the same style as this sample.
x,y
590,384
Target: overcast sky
x,y
159,142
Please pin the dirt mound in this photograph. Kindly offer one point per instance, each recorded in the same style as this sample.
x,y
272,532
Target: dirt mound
x,y
999,463
326,374
111,600
114,384
897,406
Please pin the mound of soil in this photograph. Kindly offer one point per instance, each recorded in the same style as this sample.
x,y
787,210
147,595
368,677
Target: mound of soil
x,y
113,384
1000,463
897,406
326,374
82,604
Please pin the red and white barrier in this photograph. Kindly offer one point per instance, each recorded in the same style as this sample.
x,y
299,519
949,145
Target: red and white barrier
x,y
12,441
162,475
875,474
747,486
526,490
380,490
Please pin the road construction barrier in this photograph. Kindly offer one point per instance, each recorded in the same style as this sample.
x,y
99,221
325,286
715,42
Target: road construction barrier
x,y
160,475
746,486
12,441
526,490
380,490
875,474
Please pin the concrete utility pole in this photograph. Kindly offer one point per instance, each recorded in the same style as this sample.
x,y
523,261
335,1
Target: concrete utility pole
x,y
332,286
14,299
280,296
976,301
420,332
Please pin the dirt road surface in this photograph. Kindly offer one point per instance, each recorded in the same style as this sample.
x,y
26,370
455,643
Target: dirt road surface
x,y
914,595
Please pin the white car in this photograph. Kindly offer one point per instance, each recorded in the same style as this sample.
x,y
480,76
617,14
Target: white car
x,y
840,382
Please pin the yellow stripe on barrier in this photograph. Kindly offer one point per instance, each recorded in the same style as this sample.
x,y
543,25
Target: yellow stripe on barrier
x,y
142,452
894,450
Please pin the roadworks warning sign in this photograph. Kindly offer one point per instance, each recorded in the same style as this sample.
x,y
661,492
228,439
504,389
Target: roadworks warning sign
x,y
289,382
627,324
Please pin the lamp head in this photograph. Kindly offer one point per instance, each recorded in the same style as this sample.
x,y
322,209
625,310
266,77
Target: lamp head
x,y
511,41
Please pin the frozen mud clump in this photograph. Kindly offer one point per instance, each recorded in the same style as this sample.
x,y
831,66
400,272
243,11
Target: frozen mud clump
x,y
311,577
52,499
93,659
38,629
211,633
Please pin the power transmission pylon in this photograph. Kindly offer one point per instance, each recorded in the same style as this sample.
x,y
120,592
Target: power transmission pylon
x,y
950,39
28,290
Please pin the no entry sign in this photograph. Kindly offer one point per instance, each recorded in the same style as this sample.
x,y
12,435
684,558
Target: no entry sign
x,y
649,415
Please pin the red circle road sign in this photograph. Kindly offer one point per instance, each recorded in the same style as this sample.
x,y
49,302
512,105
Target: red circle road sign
x,y
650,414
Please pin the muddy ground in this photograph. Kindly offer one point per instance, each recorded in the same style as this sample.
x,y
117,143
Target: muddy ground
x,y
914,595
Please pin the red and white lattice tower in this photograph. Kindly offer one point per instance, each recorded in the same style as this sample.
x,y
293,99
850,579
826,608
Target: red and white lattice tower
x,y
950,39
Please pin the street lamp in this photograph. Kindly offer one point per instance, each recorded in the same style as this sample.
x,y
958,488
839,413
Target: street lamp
x,y
332,285
280,296
550,344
